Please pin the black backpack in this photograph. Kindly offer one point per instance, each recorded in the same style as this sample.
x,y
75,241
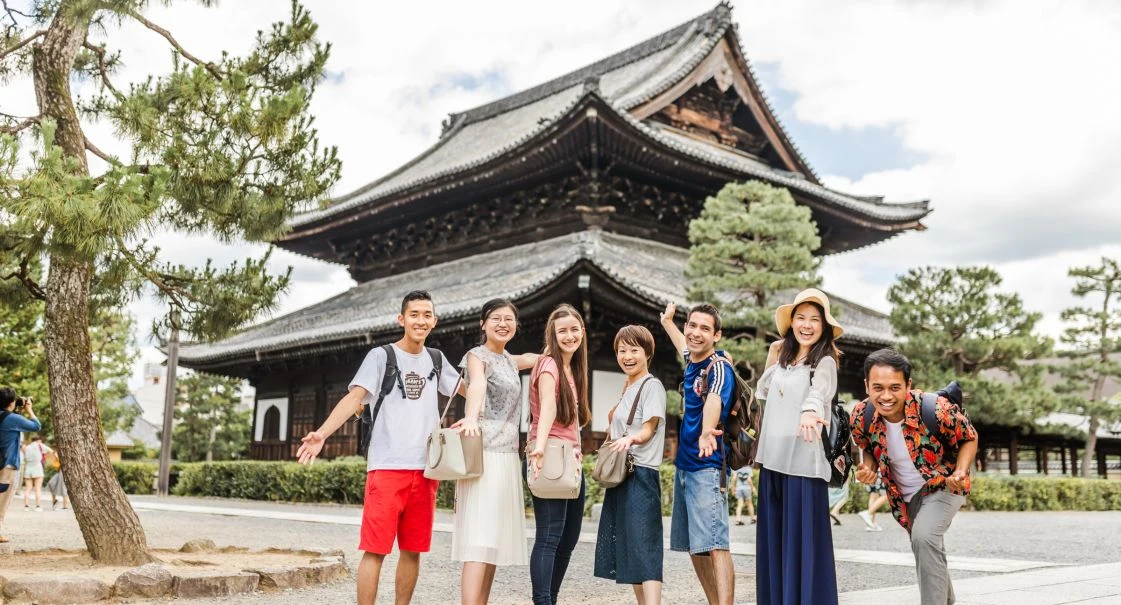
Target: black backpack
x,y
391,378
928,409
742,425
835,440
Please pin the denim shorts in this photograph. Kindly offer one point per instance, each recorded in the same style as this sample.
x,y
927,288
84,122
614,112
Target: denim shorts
x,y
700,512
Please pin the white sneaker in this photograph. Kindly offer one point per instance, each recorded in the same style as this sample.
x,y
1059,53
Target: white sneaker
x,y
877,527
38,509
867,519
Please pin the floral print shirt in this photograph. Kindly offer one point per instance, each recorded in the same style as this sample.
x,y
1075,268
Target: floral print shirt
x,y
929,454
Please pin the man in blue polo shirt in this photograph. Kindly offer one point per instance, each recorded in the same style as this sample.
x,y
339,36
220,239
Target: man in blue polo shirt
x,y
11,424
699,524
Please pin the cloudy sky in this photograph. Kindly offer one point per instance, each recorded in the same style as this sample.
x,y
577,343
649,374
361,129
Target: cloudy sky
x,y
1001,113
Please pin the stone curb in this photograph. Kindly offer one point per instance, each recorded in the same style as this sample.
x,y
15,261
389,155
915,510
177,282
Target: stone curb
x,y
155,580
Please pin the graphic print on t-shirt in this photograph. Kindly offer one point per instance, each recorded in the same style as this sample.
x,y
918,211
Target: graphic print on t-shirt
x,y
414,385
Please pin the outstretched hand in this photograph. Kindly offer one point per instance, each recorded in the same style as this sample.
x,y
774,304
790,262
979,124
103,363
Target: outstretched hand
x,y
707,443
808,426
310,448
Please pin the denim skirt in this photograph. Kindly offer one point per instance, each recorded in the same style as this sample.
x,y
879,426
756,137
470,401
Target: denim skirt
x,y
629,546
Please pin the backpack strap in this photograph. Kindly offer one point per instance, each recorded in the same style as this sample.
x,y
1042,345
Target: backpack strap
x,y
391,377
437,365
869,410
928,407
4,415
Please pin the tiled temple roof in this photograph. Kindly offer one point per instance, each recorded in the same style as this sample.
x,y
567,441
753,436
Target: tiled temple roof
x,y
651,270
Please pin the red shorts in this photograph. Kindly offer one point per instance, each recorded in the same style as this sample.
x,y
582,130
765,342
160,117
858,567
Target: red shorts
x,y
399,504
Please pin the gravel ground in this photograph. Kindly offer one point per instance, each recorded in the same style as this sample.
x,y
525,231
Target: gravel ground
x,y
1060,537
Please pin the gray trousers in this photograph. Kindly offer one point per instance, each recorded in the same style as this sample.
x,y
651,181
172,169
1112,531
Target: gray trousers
x,y
930,518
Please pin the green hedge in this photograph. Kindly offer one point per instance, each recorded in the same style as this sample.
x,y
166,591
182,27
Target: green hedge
x,y
344,482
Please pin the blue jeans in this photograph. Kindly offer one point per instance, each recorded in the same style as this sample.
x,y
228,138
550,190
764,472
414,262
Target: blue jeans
x,y
558,531
700,512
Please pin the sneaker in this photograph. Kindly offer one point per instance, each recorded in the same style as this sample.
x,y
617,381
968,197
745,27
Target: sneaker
x,y
867,519
836,520
877,527
38,509
753,520
739,522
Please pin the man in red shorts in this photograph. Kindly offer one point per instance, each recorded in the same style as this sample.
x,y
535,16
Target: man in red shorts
x,y
400,502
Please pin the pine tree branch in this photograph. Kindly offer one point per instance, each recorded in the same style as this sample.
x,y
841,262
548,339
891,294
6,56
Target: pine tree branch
x,y
24,276
90,147
211,67
102,68
22,43
21,125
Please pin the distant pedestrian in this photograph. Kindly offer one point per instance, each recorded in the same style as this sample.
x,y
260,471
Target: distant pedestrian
x,y
742,488
12,422
925,467
838,498
34,460
877,498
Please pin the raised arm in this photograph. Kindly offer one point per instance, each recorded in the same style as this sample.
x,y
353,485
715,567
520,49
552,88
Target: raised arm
x,y
674,333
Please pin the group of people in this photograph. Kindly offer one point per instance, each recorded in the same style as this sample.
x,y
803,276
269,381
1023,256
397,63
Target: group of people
x,y
925,475
31,455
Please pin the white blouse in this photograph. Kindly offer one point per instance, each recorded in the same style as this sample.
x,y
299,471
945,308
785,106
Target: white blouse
x,y
788,392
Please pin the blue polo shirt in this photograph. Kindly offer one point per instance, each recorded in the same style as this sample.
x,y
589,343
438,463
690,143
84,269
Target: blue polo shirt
x,y
10,428
719,381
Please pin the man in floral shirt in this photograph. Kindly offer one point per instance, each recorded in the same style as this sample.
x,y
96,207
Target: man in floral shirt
x,y
926,476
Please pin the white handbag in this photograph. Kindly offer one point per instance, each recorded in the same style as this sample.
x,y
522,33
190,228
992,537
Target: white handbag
x,y
560,472
449,455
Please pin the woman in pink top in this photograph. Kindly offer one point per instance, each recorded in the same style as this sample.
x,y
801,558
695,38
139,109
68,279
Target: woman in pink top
x,y
557,408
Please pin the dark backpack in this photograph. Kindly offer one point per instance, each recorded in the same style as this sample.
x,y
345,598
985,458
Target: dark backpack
x,y
835,440
928,409
392,377
745,419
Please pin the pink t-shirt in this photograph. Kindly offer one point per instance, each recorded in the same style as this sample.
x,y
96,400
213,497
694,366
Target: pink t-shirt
x,y
571,432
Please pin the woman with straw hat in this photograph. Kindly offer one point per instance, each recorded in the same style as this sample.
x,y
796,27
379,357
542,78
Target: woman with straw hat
x,y
794,543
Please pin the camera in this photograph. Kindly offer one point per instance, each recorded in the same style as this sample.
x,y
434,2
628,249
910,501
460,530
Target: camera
x,y
19,403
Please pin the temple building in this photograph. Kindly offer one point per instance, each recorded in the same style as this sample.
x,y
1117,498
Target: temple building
x,y
579,190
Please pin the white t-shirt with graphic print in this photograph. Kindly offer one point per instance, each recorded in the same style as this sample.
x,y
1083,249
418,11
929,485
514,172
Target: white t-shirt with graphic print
x,y
405,419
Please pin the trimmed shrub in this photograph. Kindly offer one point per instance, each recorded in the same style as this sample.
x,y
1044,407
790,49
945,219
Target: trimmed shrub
x,y
344,482
136,477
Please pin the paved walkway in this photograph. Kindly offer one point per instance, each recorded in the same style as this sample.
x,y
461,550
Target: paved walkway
x,y
1085,585
345,516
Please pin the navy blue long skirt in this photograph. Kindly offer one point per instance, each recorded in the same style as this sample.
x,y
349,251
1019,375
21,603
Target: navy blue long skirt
x,y
629,546
794,542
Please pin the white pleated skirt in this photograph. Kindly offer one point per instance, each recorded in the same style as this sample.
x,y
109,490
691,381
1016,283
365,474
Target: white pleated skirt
x,y
490,513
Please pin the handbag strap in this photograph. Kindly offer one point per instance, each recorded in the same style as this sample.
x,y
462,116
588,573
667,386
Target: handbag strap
x,y
451,398
634,404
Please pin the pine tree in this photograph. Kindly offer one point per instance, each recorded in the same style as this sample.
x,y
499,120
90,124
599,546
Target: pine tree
x,y
209,426
221,146
1093,341
750,243
955,324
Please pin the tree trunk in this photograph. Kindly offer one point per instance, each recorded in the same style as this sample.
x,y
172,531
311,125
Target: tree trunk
x,y
1091,445
110,527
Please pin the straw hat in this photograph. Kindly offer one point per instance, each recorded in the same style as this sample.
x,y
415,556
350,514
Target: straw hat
x,y
783,314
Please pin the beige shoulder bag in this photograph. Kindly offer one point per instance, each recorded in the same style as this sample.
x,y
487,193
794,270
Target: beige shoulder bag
x,y
612,467
560,474
449,455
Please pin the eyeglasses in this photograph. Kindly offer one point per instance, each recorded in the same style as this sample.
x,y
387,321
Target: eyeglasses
x,y
494,319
